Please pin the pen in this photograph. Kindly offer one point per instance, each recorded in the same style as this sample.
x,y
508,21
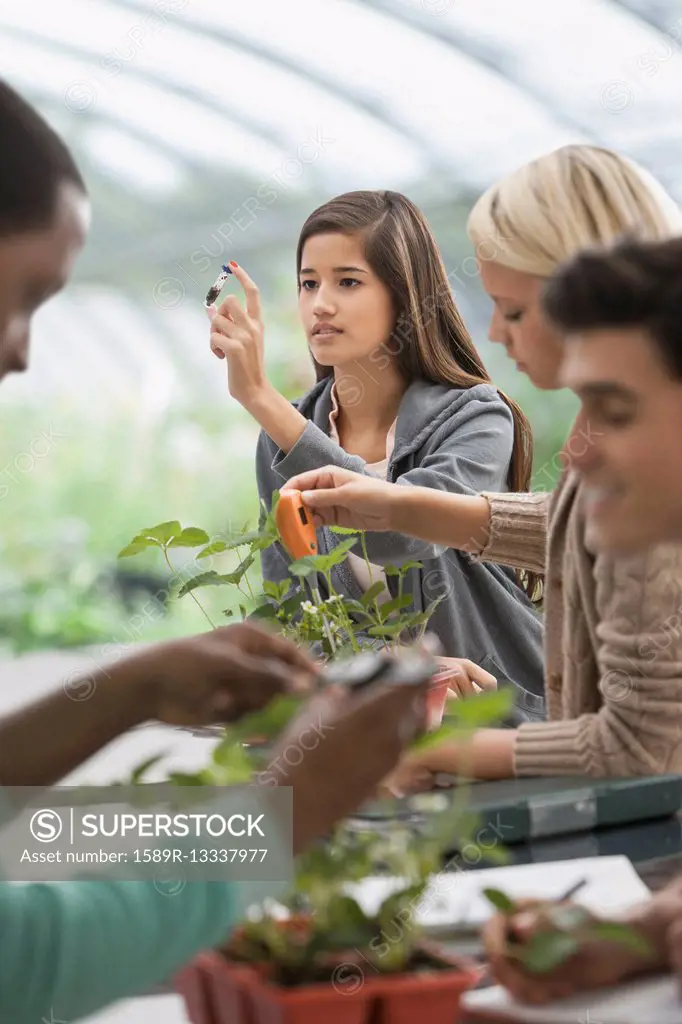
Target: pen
x,y
576,887
571,891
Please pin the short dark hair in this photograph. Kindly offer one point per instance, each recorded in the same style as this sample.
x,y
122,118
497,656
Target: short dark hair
x,y
34,163
633,284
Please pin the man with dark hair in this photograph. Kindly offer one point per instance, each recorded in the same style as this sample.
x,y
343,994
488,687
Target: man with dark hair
x,y
69,949
44,218
621,314
620,311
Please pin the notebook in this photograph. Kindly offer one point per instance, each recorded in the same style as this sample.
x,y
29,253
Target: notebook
x,y
648,1001
455,901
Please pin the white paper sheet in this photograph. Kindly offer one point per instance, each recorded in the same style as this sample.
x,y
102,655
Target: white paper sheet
x,y
455,898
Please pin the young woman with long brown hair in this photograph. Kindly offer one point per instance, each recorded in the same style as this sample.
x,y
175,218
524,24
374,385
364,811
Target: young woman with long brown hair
x,y
401,394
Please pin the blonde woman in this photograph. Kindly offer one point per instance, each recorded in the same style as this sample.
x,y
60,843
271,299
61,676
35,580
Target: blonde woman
x,y
613,670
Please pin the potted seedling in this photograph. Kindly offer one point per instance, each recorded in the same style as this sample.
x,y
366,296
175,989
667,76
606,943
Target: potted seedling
x,y
323,952
334,958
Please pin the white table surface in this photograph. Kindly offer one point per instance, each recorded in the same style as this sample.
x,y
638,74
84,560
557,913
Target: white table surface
x,y
25,679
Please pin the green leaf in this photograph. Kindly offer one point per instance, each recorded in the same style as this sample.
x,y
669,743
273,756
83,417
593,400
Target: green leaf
x,y
546,950
269,721
447,731
321,563
418,619
356,608
200,778
164,532
202,579
625,935
271,589
493,854
369,596
488,708
190,537
402,570
396,605
345,531
240,571
500,900
422,618
304,566
291,606
216,547
338,553
250,537
266,541
390,908
264,611
393,629
255,539
136,546
233,761
143,768
345,913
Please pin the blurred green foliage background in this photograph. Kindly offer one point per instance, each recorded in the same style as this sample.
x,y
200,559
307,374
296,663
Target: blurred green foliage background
x,y
64,521
117,464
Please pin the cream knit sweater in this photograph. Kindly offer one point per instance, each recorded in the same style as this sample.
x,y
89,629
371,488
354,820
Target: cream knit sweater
x,y
613,642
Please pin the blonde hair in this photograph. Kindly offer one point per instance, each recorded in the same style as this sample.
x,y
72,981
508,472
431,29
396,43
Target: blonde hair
x,y
573,198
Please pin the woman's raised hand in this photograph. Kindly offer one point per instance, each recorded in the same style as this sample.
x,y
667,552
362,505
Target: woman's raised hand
x,y
237,335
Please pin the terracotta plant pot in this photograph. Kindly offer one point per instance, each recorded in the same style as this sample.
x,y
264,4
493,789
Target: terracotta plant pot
x,y
229,990
310,1004
238,994
192,984
431,996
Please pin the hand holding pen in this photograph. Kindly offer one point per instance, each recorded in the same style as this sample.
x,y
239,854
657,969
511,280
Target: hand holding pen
x,y
516,930
591,958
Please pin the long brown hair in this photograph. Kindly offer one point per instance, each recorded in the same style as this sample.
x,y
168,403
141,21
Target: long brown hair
x,y
430,340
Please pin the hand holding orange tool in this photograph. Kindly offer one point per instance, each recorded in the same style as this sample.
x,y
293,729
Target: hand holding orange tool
x,y
295,525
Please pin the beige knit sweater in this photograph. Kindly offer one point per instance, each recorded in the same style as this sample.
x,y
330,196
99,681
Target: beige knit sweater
x,y
613,642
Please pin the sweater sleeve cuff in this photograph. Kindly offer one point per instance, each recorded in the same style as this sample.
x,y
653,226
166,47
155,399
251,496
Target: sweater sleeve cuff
x,y
518,530
313,450
555,748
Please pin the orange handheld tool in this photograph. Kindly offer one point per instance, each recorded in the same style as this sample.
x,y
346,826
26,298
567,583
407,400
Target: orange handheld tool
x,y
295,525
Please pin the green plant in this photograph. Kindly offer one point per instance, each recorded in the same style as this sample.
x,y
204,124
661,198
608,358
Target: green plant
x,y
327,924
337,624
